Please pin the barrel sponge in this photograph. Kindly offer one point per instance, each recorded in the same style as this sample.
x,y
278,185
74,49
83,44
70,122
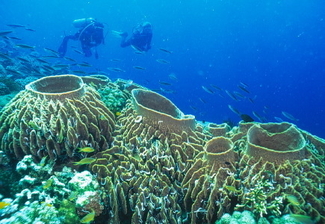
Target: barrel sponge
x,y
57,87
54,116
158,111
219,150
275,142
218,129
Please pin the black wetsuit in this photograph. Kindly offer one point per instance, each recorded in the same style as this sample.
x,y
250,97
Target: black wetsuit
x,y
90,36
139,40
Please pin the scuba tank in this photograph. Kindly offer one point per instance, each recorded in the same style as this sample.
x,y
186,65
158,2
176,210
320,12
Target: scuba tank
x,y
79,23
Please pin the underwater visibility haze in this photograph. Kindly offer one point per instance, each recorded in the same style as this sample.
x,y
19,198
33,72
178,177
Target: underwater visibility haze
x,y
251,72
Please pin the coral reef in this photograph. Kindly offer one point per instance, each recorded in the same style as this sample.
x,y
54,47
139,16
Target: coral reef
x,y
153,164
245,217
54,116
45,196
114,97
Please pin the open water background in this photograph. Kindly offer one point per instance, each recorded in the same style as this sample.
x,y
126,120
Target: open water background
x,y
275,47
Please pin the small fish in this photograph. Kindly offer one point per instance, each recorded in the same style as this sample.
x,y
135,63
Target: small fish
x,y
89,217
278,119
48,68
115,59
139,67
5,32
118,113
48,184
69,59
172,76
115,69
3,204
29,29
46,204
302,218
259,117
137,49
23,59
86,149
79,52
216,87
84,64
293,199
289,116
42,61
85,161
208,90
49,50
13,71
15,38
231,188
238,94
165,50
167,90
243,84
231,95
234,110
15,25
25,46
165,83
33,125
162,61
202,100
43,161
243,88
5,56
61,66
139,52
51,56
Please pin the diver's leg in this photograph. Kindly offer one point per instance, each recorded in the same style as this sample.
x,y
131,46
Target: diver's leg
x,y
86,50
63,47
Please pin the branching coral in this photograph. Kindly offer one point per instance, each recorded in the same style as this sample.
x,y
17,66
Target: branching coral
x,y
256,198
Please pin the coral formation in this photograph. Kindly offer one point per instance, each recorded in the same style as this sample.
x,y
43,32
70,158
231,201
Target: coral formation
x,y
154,164
158,111
275,142
44,196
54,116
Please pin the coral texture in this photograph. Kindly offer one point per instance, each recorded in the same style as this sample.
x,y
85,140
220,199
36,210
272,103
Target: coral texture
x,y
54,116
275,142
158,111
156,165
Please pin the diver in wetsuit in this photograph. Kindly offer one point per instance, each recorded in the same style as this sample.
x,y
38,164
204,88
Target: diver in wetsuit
x,y
91,34
140,39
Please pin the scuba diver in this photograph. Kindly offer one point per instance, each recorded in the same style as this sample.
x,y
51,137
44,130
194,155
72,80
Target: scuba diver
x,y
140,39
91,34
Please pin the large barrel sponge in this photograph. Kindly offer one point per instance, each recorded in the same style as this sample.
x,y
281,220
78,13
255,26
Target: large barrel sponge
x,y
54,116
275,142
219,151
159,112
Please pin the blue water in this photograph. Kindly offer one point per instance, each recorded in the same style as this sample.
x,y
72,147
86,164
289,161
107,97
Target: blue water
x,y
275,47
